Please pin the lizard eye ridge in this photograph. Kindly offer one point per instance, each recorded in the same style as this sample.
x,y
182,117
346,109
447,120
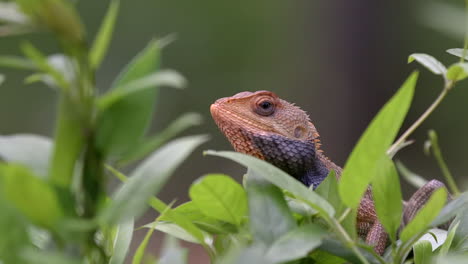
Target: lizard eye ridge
x,y
264,107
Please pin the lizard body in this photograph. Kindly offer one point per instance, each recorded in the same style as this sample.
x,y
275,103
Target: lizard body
x,y
264,126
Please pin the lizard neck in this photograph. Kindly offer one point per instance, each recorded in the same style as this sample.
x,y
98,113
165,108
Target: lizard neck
x,y
300,159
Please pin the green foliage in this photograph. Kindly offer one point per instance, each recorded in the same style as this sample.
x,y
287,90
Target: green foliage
x,y
52,192
220,197
387,196
374,143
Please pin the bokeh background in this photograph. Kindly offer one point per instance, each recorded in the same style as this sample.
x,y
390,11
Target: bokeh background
x,y
339,60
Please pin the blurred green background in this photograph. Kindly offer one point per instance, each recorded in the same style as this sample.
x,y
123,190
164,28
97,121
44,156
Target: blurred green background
x,y
339,60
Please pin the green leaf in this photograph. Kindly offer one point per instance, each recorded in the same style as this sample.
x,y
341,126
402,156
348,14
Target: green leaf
x,y
172,215
30,195
322,257
11,14
122,242
15,231
452,208
29,150
173,230
152,143
454,258
172,252
448,242
122,124
295,244
457,52
422,252
411,177
270,217
147,179
280,179
460,239
387,196
425,215
192,213
457,71
17,63
328,189
58,16
429,62
44,65
139,253
104,36
434,236
161,78
32,255
363,161
220,197
182,221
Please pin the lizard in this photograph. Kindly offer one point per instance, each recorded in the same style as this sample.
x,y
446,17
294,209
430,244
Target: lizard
x,y
262,125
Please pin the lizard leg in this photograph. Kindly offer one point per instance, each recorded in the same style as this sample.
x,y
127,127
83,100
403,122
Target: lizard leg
x,y
419,199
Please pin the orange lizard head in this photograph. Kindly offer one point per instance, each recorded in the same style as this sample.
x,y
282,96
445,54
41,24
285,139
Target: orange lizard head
x,y
261,113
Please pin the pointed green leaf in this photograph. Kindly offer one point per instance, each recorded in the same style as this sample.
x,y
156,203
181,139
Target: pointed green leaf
x,y
147,179
44,65
172,230
122,242
32,151
270,217
425,215
422,252
429,62
122,124
454,207
280,179
150,144
58,16
104,36
192,213
458,53
181,221
295,244
17,63
220,197
448,242
161,78
363,161
11,14
32,196
171,215
457,71
328,189
387,196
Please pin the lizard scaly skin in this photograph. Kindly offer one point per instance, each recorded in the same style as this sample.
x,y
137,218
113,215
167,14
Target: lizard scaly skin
x,y
264,126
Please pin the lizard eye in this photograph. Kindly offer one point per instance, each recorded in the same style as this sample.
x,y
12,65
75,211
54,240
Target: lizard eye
x,y
265,107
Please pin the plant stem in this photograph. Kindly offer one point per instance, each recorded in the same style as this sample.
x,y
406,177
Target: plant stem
x,y
68,143
392,150
442,164
347,239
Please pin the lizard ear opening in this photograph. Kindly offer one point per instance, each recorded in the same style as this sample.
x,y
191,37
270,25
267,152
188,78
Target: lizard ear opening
x,y
299,131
